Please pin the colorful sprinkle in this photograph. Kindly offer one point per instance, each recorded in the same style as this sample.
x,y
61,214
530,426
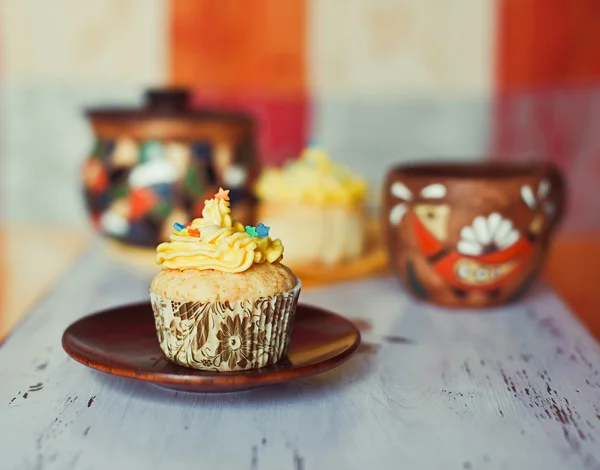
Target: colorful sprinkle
x,y
251,231
222,194
177,226
194,232
262,230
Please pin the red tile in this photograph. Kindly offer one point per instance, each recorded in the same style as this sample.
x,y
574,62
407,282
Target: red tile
x,y
547,43
282,123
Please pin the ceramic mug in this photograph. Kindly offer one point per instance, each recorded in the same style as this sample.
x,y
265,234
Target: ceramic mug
x,y
471,235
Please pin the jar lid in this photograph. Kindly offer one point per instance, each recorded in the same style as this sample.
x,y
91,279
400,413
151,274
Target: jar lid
x,y
165,103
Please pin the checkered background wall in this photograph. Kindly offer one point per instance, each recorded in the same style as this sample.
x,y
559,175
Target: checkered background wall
x,y
375,81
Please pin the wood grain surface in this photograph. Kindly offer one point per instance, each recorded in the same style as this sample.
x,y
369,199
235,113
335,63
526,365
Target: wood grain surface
x,y
515,387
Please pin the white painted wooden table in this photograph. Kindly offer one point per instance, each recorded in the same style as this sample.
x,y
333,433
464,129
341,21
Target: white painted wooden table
x,y
514,388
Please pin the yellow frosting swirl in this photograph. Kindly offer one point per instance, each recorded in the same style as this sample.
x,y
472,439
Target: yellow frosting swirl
x,y
314,179
217,242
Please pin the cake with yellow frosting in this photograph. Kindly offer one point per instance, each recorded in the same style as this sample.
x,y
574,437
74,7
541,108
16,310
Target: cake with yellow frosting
x,y
316,206
222,300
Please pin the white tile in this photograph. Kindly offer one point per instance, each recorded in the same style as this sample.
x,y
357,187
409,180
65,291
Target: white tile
x,y
100,41
401,47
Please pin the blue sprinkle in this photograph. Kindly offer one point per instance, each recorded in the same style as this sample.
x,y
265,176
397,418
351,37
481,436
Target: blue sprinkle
x,y
177,226
262,230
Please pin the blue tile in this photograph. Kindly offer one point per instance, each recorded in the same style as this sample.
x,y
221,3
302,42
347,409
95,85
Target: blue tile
x,y
370,135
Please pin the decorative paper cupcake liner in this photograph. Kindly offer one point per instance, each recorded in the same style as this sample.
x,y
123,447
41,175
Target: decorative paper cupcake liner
x,y
226,336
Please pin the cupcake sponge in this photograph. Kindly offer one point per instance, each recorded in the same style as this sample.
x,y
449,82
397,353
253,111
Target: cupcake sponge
x,y
193,285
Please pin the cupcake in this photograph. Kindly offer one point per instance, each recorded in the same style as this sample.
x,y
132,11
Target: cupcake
x,y
222,300
317,207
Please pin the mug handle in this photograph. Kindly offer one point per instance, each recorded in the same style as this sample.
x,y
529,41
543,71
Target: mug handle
x,y
557,196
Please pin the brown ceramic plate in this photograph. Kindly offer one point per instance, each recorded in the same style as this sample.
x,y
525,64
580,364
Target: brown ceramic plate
x,y
122,341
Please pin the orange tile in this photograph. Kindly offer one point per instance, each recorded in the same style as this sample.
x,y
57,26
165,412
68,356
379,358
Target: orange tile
x,y
573,270
239,47
544,43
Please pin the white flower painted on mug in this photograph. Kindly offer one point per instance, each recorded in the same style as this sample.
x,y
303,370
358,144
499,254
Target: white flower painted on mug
x,y
485,233
538,200
400,191
434,191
